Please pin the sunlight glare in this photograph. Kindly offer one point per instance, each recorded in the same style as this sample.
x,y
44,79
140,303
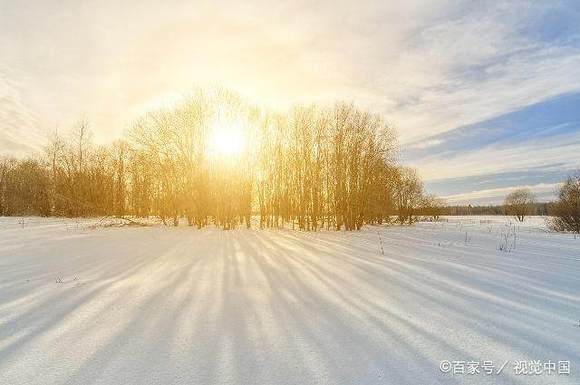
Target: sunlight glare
x,y
227,140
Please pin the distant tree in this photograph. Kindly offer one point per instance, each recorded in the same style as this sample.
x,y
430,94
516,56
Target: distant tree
x,y
519,203
566,210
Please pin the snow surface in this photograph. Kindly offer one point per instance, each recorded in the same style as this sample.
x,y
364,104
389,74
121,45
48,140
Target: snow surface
x,y
81,304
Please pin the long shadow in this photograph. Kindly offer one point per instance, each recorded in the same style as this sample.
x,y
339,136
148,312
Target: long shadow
x,y
152,327
52,310
442,289
348,325
286,307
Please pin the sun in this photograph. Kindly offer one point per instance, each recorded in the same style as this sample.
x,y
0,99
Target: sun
x,y
226,140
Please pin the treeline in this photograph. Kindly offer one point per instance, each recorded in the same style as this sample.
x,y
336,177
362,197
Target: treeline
x,y
312,167
536,208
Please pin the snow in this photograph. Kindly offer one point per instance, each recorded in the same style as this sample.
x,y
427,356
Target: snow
x,y
84,304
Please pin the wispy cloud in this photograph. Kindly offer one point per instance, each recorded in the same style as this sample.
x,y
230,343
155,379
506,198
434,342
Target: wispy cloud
x,y
537,136
542,192
424,144
486,63
428,66
562,150
18,130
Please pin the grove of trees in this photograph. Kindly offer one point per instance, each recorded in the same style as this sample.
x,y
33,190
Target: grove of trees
x,y
312,167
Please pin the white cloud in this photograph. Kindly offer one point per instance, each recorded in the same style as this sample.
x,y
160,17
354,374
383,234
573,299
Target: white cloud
x,y
425,143
543,192
562,150
429,67
480,66
18,130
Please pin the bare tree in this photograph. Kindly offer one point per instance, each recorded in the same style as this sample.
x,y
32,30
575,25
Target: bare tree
x,y
433,206
312,167
566,210
519,203
409,194
24,187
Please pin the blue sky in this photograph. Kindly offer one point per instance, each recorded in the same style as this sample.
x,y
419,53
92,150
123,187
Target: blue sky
x,y
536,146
531,135
484,95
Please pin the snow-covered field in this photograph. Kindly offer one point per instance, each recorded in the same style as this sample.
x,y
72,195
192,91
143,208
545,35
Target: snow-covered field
x,y
157,305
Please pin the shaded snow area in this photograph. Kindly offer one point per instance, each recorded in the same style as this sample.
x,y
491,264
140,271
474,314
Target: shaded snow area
x,y
82,304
